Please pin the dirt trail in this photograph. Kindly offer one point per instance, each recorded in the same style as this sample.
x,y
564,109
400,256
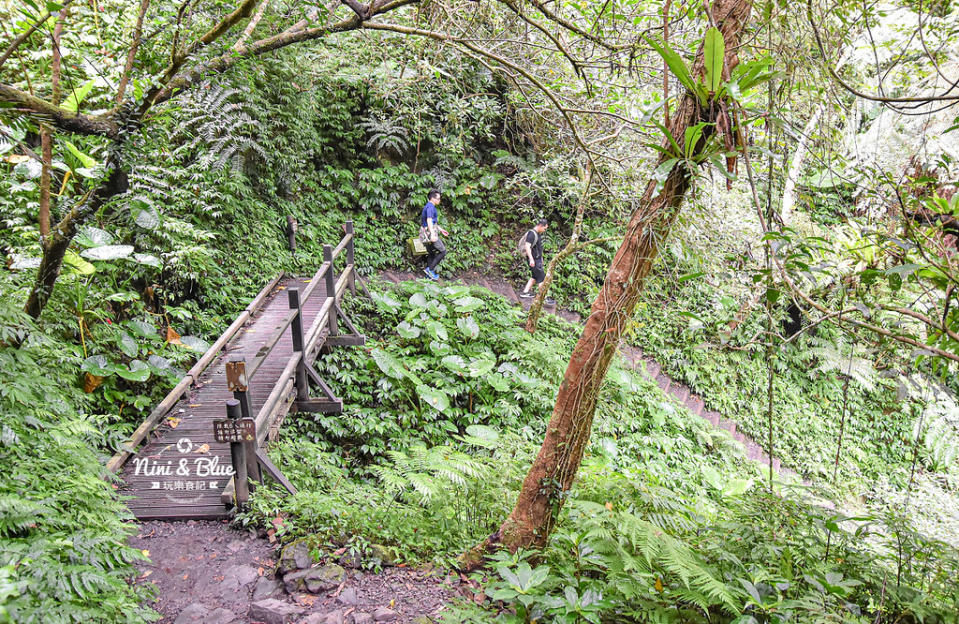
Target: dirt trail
x,y
206,572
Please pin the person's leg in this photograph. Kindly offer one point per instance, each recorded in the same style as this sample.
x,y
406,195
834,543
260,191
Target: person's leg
x,y
529,285
430,254
440,250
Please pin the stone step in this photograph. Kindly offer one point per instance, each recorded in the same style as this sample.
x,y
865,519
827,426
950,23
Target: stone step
x,y
652,369
695,405
680,392
728,425
663,382
713,418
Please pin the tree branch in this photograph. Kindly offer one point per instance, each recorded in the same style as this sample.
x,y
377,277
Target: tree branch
x,y
57,116
131,55
252,25
16,43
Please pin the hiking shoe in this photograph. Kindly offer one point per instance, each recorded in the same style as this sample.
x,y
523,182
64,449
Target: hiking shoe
x,y
435,275
430,274
526,295
550,301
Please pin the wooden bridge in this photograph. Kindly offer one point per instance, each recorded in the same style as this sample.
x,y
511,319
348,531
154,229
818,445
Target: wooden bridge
x,y
262,366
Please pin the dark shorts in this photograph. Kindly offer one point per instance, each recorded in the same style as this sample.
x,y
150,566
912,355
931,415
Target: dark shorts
x,y
538,273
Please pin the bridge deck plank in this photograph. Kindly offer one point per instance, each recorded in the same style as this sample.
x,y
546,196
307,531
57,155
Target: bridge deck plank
x,y
180,471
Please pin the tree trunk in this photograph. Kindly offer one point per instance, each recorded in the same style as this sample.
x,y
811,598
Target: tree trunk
x,y
567,434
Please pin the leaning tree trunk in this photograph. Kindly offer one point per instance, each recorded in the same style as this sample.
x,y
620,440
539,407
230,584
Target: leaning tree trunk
x,y
567,434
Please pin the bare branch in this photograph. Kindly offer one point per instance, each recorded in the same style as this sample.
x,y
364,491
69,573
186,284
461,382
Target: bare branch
x,y
131,55
252,25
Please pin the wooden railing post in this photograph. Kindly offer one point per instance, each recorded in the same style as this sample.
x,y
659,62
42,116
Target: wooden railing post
x,y
238,383
241,486
350,250
330,288
296,329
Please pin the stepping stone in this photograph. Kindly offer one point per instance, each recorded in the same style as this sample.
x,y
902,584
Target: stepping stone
x,y
728,425
652,369
713,418
680,392
663,382
695,405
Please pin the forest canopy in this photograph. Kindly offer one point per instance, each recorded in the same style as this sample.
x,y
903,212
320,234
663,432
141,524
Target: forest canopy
x,y
749,414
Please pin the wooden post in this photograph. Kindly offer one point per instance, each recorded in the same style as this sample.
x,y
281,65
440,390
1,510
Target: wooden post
x,y
330,287
291,227
350,250
296,328
238,457
236,380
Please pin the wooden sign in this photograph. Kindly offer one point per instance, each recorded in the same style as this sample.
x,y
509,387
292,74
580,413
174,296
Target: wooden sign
x,y
227,430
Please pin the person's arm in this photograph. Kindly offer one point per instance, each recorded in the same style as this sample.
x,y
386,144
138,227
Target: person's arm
x,y
431,228
529,252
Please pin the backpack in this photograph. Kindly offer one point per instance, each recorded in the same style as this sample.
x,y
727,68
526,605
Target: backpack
x,y
521,244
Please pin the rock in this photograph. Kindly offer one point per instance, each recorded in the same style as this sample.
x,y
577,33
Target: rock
x,y
220,616
295,556
238,576
315,580
384,614
236,546
193,613
351,560
362,618
273,611
266,587
383,554
348,597
334,617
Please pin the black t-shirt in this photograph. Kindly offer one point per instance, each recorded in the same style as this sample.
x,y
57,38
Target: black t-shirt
x,y
536,241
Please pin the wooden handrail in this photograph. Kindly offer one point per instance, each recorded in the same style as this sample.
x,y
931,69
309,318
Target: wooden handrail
x,y
129,447
277,334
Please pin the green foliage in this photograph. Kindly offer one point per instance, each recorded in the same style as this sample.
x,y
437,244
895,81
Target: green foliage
x,y
62,528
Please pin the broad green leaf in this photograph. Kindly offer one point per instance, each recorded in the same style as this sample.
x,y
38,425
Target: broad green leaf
x,y
407,331
438,330
78,264
128,345
481,366
98,365
439,348
386,301
108,252
418,300
139,371
90,236
195,344
144,328
714,53
76,97
468,327
675,63
387,363
469,304
87,161
456,364
148,259
436,399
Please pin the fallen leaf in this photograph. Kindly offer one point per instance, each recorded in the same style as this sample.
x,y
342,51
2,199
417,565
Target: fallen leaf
x,y
305,600
16,159
609,506
203,448
146,553
186,576
146,574
173,422
658,586
196,404
172,337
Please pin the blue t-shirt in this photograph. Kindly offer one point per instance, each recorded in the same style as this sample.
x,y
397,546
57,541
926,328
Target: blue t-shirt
x,y
429,212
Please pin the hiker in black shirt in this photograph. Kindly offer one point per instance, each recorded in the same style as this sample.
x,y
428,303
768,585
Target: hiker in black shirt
x,y
533,254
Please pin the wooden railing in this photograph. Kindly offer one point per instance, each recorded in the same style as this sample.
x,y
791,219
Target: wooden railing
x,y
295,375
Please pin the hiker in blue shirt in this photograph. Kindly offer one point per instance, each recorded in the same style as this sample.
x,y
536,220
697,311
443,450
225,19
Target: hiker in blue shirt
x,y
430,234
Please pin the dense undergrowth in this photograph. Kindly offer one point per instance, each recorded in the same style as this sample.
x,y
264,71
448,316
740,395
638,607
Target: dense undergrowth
x,y
667,522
